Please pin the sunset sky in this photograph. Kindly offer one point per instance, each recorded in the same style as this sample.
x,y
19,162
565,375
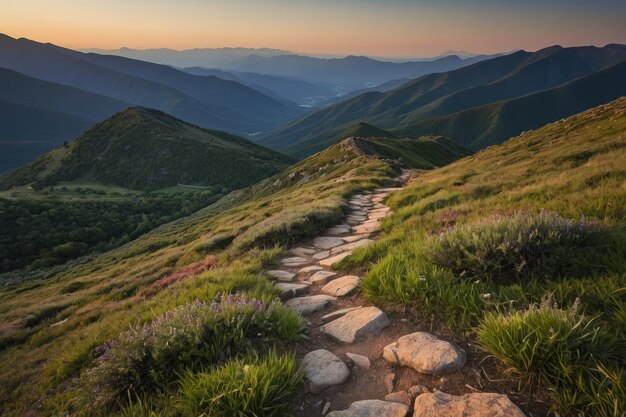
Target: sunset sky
x,y
393,28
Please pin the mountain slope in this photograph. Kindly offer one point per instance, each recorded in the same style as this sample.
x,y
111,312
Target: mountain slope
x,y
147,149
28,131
487,125
51,63
497,79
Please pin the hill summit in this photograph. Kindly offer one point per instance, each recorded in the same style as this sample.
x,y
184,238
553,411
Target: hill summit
x,y
142,148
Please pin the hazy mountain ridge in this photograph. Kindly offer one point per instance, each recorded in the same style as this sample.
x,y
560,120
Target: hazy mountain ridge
x,y
488,81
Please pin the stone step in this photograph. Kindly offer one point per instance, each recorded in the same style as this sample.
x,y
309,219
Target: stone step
x,y
351,246
425,353
328,262
342,286
321,255
310,304
338,230
374,408
468,405
336,314
354,238
308,269
288,290
366,228
356,324
281,275
301,251
327,242
322,369
294,261
321,277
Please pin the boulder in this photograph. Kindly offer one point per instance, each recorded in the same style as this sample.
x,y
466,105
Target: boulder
x,y
323,369
469,405
425,353
399,397
372,408
356,324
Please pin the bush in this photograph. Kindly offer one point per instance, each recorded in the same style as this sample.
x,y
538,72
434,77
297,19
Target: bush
x,y
148,358
525,246
248,387
568,354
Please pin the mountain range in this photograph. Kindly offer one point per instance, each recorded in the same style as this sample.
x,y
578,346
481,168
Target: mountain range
x,y
419,105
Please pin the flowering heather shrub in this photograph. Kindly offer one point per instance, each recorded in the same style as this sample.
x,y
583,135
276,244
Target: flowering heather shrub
x,y
194,336
188,271
525,246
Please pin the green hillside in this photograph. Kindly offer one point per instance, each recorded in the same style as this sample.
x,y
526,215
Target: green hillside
x,y
435,95
100,295
520,250
147,149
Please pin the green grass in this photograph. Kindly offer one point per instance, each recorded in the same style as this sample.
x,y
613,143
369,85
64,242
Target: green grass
x,y
480,243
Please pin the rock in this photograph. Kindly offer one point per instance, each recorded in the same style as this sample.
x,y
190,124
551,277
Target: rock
x,y
322,369
302,251
362,362
288,290
281,275
327,242
326,408
354,238
366,228
372,408
309,269
358,213
390,381
328,262
356,324
310,304
294,261
351,246
400,397
416,390
321,277
338,313
469,405
338,230
322,255
425,353
343,286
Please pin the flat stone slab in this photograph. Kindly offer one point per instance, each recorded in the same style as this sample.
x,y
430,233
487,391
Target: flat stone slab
x,y
354,238
469,405
336,314
310,304
425,353
328,262
351,246
366,228
309,269
373,408
343,286
321,255
302,251
321,277
356,324
327,242
288,289
294,261
322,369
338,230
281,275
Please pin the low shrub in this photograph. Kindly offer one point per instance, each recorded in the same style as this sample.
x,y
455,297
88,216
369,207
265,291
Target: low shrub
x,y
181,274
524,246
572,357
149,357
260,387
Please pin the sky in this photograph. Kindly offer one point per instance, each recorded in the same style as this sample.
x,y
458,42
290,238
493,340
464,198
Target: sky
x,y
382,28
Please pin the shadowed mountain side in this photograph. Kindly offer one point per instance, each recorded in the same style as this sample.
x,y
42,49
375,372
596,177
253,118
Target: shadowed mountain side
x,y
147,149
487,125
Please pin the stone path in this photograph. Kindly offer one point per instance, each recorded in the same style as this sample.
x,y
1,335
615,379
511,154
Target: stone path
x,y
309,285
